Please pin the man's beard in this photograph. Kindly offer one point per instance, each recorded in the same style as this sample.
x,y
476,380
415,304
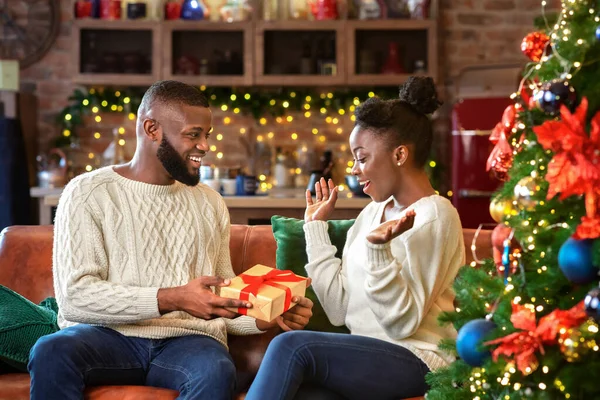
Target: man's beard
x,y
175,165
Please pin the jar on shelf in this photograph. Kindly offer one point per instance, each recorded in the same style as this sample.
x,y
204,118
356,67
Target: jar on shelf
x,y
192,10
80,159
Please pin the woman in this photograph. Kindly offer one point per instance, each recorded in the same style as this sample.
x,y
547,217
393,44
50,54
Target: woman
x,y
395,276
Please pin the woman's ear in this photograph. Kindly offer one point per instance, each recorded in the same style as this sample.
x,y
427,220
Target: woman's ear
x,y
400,155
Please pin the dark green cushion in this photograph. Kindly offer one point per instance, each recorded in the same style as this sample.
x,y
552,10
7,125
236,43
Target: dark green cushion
x,y
291,254
22,323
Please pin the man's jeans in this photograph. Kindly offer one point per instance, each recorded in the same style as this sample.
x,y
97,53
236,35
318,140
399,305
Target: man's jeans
x,y
353,367
63,364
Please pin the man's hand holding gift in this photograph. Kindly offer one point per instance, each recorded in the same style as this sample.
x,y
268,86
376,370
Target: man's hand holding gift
x,y
277,297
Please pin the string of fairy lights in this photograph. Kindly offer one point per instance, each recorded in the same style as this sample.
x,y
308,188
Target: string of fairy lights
x,y
261,116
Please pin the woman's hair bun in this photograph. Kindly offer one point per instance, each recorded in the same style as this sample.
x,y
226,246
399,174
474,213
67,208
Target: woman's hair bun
x,y
419,92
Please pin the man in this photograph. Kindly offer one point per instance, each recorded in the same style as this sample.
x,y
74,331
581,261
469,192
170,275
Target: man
x,y
137,249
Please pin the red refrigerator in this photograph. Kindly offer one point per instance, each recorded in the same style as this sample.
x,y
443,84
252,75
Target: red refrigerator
x,y
472,186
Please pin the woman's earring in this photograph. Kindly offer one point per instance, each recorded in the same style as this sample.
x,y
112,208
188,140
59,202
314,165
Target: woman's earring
x,y
399,163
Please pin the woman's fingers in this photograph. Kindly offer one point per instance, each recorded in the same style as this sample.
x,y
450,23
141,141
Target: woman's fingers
x,y
318,191
324,188
309,200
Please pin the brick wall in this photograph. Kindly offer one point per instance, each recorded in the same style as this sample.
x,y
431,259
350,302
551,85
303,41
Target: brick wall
x,y
472,32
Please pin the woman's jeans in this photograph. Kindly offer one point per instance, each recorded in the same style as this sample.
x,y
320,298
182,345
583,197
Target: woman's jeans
x,y
351,366
63,364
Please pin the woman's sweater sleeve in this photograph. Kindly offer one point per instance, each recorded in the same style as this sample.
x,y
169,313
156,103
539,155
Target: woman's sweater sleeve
x,y
401,290
325,270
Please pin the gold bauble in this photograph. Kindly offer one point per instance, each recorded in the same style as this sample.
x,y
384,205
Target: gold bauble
x,y
525,190
498,209
573,345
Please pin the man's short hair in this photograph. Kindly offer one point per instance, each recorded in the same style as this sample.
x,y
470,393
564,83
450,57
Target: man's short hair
x,y
173,93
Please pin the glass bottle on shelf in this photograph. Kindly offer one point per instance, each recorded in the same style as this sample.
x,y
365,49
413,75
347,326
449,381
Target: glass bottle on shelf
x,y
270,11
298,9
280,172
90,64
306,61
420,68
392,63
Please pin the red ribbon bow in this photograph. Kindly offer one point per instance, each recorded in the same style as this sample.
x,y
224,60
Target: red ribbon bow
x,y
256,282
500,159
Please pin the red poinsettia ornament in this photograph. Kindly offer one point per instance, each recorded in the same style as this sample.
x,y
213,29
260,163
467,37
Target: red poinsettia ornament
x,y
524,345
575,167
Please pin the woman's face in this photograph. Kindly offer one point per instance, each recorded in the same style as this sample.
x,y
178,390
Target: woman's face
x,y
375,164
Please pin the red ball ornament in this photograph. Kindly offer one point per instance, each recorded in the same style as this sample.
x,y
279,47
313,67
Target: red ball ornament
x,y
534,45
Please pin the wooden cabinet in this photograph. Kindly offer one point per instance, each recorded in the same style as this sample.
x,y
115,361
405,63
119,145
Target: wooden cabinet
x,y
291,53
252,53
116,52
221,52
367,47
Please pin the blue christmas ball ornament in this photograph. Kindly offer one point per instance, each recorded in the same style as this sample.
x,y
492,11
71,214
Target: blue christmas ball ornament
x,y
469,340
575,261
192,10
598,33
554,94
592,304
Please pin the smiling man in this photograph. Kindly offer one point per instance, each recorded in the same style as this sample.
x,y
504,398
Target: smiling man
x,y
138,249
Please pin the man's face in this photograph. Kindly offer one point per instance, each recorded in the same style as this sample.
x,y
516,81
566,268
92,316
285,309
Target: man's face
x,y
184,142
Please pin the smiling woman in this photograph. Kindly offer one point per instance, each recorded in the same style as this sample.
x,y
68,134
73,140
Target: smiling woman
x,y
28,29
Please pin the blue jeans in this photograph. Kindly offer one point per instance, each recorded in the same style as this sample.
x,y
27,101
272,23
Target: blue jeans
x,y
64,363
353,367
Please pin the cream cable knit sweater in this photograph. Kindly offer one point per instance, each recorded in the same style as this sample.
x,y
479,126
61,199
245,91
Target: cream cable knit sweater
x,y
393,292
117,241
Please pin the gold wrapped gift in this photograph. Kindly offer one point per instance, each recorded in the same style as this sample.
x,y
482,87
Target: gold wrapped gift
x,y
268,289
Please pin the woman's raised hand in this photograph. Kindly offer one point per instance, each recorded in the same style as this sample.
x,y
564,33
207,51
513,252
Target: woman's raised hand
x,y
323,206
392,228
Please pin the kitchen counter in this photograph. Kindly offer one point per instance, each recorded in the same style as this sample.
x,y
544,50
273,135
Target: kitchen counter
x,y
242,209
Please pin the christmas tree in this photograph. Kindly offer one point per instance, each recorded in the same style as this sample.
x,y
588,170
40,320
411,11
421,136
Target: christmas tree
x,y
527,320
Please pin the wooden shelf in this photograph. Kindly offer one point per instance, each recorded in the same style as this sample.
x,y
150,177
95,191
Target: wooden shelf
x,y
114,79
262,29
401,26
138,25
255,35
247,48
117,79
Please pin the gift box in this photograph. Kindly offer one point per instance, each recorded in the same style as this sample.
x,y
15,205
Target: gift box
x,y
268,289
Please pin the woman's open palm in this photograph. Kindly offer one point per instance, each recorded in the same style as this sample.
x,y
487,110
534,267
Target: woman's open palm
x,y
321,208
392,228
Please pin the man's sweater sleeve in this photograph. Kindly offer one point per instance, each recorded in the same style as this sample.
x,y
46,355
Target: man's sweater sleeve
x,y
242,325
401,290
325,270
80,268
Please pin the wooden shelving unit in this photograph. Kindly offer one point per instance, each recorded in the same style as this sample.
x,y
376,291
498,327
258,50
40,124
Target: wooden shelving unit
x,y
429,47
251,39
245,29
337,28
128,27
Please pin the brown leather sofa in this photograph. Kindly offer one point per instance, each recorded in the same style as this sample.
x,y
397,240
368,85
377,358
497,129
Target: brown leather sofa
x,y
26,267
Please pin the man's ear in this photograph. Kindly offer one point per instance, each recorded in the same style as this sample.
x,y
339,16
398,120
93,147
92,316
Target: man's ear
x,y
152,129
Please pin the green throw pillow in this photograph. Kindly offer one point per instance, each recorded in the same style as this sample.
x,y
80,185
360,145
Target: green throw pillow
x,y
22,323
291,254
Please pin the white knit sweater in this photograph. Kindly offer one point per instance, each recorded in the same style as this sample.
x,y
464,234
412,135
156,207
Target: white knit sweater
x,y
393,292
117,241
